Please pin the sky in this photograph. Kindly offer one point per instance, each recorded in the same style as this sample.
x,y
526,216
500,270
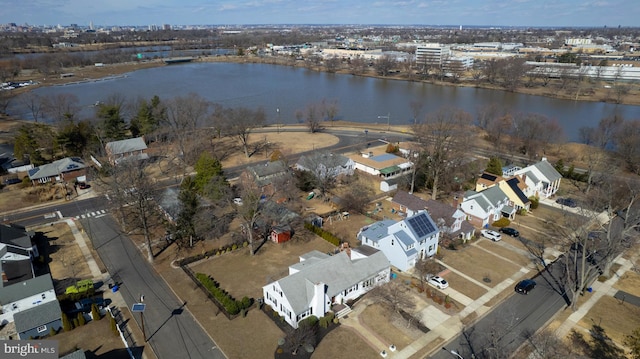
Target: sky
x,y
590,13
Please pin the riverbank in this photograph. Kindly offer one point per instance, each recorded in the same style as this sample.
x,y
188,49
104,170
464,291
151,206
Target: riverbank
x,y
598,91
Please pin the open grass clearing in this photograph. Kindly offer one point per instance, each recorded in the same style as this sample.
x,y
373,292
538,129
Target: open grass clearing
x,y
380,321
463,285
67,262
504,252
618,319
343,343
629,282
480,265
242,274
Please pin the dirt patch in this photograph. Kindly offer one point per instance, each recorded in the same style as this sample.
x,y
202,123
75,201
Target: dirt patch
x,y
480,265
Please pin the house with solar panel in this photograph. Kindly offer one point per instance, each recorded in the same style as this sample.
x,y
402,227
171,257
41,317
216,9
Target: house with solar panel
x,y
320,282
404,242
513,187
63,170
542,178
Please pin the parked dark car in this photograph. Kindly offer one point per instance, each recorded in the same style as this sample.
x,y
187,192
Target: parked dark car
x,y
83,185
510,231
9,181
569,202
525,286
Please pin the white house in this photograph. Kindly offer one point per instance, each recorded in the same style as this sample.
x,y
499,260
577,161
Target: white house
x,y
484,207
384,165
541,178
319,280
404,242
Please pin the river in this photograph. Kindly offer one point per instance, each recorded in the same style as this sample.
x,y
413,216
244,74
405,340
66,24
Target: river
x,y
281,91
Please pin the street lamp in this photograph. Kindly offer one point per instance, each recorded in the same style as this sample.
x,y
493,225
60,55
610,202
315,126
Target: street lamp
x,y
278,124
453,352
388,117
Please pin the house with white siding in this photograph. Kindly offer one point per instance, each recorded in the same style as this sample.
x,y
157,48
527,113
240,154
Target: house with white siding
x,y
541,178
320,281
404,242
487,206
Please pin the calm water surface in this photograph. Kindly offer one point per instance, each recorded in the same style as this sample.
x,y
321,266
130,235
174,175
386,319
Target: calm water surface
x,y
360,99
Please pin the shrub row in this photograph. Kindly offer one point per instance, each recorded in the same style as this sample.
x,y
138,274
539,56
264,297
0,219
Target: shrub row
x,y
502,222
230,305
327,236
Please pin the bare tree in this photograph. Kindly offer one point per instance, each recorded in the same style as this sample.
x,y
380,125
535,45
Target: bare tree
x,y
132,194
330,109
443,137
313,117
34,103
535,131
240,122
546,344
325,168
416,107
384,65
358,66
332,64
627,144
183,116
60,107
394,294
601,138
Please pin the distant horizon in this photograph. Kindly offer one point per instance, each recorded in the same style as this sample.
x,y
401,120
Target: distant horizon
x,y
486,26
515,13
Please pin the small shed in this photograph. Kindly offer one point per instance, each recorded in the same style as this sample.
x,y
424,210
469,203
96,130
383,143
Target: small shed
x,y
281,234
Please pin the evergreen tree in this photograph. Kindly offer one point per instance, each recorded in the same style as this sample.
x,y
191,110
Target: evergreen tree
x,y
186,230
113,125
81,320
206,169
95,313
494,166
114,325
66,323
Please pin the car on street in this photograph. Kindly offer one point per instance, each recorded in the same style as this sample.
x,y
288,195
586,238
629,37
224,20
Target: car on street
x,y
237,201
10,181
568,202
510,231
438,282
525,286
492,235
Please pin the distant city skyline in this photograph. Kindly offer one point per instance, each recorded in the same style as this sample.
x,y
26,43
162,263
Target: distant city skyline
x,y
543,13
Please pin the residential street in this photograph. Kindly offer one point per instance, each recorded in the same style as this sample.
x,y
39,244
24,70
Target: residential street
x,y
168,325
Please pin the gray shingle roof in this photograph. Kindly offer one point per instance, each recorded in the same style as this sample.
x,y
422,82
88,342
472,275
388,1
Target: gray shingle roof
x,y
410,201
378,230
126,146
337,272
331,160
39,315
57,167
548,171
15,235
439,210
25,289
404,238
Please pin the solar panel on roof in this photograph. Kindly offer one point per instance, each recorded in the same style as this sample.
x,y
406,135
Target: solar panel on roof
x,y
421,225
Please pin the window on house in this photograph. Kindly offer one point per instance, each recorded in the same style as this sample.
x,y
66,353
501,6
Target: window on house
x,y
42,328
392,241
430,248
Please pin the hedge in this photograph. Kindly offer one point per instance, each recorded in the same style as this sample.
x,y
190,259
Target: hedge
x,y
327,236
230,305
